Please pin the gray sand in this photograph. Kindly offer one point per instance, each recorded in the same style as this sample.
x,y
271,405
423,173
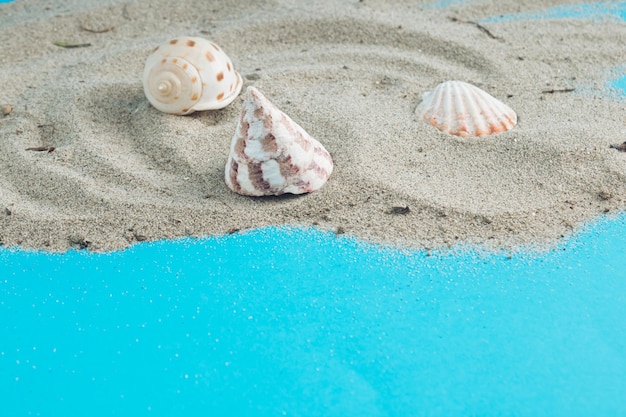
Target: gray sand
x,y
351,74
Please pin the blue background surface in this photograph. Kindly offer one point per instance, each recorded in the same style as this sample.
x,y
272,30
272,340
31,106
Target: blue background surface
x,y
598,10
299,322
304,323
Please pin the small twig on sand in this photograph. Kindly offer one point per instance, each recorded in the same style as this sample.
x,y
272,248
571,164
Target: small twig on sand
x,y
71,45
42,149
561,90
399,210
479,26
621,147
125,13
84,27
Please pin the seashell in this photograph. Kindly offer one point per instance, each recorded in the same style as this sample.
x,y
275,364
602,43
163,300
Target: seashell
x,y
188,74
270,154
461,109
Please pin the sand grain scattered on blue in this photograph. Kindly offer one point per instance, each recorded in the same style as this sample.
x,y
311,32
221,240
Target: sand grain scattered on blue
x,y
305,323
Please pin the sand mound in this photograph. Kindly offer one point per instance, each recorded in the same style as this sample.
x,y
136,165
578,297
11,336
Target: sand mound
x,y
351,74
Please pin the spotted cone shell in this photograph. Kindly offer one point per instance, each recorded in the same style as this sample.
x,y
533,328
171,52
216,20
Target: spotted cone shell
x,y
461,109
270,154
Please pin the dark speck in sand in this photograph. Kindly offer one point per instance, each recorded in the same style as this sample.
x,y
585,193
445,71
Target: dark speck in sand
x,y
399,210
79,242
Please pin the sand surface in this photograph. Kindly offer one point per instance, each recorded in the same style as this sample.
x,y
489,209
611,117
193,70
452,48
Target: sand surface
x,y
350,73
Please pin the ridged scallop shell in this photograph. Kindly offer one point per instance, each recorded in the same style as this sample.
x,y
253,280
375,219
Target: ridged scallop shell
x,y
461,109
270,154
190,74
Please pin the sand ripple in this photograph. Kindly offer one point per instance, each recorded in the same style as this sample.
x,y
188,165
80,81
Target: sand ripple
x,y
351,75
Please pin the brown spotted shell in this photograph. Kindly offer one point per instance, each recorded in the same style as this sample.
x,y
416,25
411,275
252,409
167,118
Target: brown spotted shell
x,y
190,74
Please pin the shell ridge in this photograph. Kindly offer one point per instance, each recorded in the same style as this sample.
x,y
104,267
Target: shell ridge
x,y
437,100
498,113
462,109
481,105
422,108
507,116
500,124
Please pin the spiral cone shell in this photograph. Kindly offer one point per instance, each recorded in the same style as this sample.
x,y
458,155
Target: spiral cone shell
x,y
270,154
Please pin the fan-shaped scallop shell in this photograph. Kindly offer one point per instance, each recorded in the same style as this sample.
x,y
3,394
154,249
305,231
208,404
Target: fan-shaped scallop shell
x,y
190,74
461,109
270,154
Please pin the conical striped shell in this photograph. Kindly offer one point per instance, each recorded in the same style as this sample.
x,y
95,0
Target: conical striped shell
x,y
461,109
270,154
